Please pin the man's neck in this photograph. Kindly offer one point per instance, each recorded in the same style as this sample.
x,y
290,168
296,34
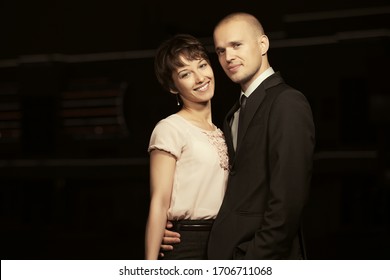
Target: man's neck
x,y
264,75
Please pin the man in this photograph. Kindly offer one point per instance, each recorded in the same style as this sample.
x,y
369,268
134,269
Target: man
x,y
270,144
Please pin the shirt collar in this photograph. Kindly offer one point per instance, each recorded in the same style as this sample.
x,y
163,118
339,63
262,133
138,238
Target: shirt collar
x,y
258,81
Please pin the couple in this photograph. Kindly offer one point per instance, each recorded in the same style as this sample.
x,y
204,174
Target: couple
x,y
242,199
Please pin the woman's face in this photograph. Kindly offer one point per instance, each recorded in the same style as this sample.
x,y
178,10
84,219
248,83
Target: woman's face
x,y
194,81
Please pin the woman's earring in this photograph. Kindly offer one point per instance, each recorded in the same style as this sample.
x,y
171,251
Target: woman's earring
x,y
177,100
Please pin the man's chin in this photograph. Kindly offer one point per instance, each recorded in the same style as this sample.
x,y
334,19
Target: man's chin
x,y
234,77
236,80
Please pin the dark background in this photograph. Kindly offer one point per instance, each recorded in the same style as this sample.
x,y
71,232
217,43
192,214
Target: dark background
x,y
79,99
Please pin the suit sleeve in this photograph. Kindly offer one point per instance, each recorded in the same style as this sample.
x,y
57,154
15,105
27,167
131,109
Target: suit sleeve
x,y
290,157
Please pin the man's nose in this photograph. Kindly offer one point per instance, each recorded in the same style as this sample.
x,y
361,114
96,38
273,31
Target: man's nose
x,y
229,55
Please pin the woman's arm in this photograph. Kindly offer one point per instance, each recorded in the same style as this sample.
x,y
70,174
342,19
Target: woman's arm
x,y
162,169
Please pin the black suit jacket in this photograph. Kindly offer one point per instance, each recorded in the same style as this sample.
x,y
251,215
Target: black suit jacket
x,y
269,179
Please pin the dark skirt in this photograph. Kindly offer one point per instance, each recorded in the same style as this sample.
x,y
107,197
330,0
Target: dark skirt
x,y
194,236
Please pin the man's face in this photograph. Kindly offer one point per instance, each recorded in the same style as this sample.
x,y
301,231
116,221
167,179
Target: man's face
x,y
239,51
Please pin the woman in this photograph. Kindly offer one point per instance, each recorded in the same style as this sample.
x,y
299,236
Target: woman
x,y
188,154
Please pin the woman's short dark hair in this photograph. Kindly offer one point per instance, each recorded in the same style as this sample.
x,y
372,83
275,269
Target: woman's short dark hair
x,y
167,57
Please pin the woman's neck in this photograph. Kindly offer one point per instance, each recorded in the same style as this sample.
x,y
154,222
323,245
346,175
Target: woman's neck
x,y
200,118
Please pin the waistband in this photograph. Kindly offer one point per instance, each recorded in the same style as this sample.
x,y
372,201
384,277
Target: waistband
x,y
193,225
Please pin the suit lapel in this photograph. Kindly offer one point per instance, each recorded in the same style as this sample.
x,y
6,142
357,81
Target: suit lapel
x,y
253,103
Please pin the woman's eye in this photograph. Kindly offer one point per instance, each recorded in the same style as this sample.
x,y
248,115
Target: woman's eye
x,y
184,75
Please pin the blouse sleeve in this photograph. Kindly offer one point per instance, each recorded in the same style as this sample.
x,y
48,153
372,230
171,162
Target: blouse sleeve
x,y
168,138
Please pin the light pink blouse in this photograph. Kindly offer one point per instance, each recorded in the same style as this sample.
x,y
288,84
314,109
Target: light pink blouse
x,y
201,167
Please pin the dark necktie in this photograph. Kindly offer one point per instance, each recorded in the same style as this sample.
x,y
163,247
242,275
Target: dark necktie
x,y
243,99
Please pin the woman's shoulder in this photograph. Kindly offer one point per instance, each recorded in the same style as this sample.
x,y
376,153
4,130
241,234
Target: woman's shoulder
x,y
172,124
173,120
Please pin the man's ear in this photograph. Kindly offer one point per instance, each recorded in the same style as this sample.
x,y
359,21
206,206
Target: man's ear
x,y
264,44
